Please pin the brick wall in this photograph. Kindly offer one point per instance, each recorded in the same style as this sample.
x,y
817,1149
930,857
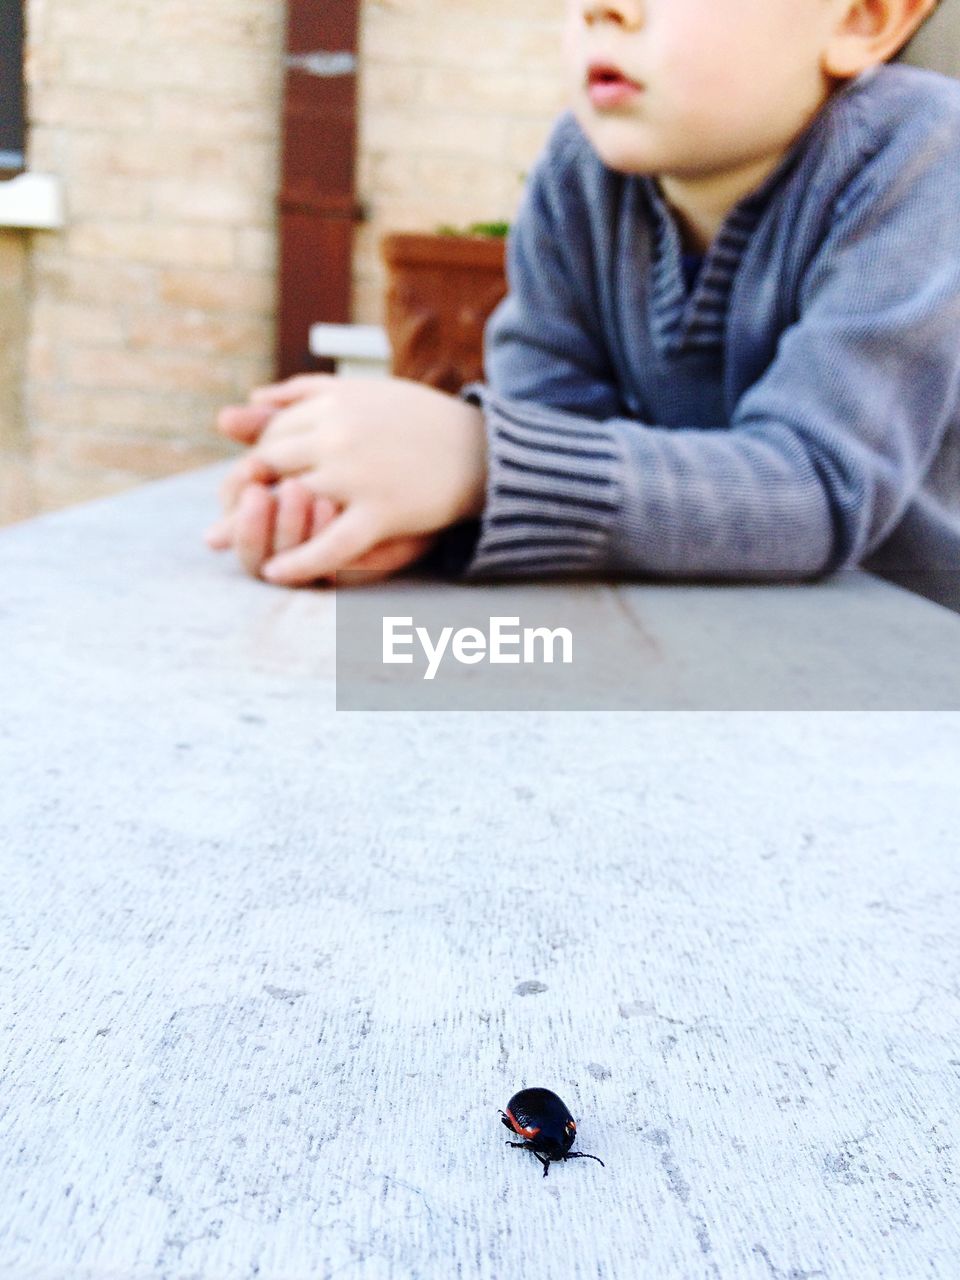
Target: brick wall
x,y
456,99
155,303
124,332
17,498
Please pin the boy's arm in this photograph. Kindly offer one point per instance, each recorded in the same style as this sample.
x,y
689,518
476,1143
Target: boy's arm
x,y
543,341
823,453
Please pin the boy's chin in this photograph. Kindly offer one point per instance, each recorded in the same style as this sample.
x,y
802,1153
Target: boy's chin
x,y
626,160
615,142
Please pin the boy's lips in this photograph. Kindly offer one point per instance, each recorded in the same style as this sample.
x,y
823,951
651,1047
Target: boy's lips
x,y
607,86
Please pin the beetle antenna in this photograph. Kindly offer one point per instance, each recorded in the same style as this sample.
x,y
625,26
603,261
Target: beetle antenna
x,y
582,1155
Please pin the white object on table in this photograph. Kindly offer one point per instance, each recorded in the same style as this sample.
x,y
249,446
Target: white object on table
x,y
359,349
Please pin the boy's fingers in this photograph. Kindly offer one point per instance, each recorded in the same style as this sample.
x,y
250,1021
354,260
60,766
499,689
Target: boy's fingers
x,y
288,456
290,391
220,534
291,451
292,419
270,461
299,516
388,557
244,423
251,469
344,540
294,520
253,531
324,509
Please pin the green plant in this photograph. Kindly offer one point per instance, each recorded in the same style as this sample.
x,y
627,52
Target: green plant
x,y
496,230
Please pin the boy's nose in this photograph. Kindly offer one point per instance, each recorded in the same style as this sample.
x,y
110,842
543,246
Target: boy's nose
x,y
624,13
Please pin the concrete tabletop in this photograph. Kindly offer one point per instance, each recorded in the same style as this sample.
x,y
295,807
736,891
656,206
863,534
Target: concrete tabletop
x,y
269,969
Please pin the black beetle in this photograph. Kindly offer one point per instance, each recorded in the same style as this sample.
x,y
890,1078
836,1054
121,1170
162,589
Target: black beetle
x,y
541,1118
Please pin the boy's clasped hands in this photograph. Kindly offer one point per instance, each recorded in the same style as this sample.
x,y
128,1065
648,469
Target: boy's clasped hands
x,y
346,473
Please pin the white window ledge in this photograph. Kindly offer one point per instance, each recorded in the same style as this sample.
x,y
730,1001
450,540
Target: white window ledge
x,y
357,348
33,201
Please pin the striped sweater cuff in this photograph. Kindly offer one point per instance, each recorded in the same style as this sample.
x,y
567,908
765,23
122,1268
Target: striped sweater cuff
x,y
553,493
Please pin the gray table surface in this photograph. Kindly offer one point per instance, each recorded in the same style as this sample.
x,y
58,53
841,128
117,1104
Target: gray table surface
x,y
268,970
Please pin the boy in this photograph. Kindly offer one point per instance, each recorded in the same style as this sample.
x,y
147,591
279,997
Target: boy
x,y
731,346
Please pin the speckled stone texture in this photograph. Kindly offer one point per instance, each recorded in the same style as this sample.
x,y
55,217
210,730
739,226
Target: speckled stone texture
x,y
267,971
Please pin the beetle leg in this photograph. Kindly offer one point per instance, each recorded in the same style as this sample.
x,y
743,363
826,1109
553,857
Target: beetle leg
x,y
505,1122
582,1155
544,1161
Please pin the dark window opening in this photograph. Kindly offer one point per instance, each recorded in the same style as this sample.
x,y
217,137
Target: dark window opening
x,y
12,122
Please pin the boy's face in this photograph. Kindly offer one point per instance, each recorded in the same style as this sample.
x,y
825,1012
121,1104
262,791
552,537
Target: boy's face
x,y
723,84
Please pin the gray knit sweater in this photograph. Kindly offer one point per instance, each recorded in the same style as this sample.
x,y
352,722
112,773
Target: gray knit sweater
x,y
798,412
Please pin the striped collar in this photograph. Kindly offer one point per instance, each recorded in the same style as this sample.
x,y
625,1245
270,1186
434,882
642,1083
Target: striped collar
x,y
695,321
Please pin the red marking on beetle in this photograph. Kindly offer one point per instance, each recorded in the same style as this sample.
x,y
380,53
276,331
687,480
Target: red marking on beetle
x,y
527,1133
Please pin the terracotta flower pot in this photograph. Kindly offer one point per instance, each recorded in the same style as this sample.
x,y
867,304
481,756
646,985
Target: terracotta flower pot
x,y
440,291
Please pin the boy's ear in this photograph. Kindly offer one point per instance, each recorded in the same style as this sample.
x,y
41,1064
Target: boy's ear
x,y
871,31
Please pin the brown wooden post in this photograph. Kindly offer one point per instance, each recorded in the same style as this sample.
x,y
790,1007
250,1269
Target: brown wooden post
x,y
318,205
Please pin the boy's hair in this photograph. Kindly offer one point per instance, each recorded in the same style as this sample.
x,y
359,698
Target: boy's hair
x,y
898,56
